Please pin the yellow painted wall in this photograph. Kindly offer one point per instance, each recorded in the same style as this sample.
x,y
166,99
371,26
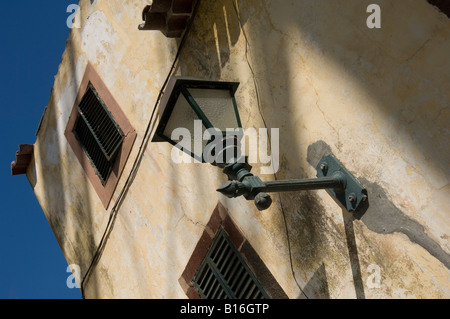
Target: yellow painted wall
x,y
378,99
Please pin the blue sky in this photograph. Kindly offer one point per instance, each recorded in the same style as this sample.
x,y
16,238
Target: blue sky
x,y
32,39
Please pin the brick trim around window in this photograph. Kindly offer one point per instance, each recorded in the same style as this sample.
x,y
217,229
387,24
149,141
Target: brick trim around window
x,y
105,191
220,217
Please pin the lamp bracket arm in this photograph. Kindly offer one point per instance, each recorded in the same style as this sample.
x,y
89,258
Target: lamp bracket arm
x,y
253,185
332,176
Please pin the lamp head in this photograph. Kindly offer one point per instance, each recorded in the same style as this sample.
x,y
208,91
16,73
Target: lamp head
x,y
206,111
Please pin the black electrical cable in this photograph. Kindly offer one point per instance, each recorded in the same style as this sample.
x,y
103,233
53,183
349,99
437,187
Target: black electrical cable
x,y
136,164
270,144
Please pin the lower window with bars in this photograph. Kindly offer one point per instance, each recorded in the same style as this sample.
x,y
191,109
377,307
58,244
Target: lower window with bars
x,y
224,274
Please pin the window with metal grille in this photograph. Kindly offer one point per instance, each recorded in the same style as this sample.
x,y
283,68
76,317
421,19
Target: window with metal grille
x,y
98,133
225,275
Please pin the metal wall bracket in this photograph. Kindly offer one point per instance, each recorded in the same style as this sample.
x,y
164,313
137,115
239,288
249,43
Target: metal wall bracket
x,y
331,176
353,194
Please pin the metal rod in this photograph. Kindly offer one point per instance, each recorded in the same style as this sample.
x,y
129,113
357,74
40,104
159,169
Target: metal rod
x,y
304,184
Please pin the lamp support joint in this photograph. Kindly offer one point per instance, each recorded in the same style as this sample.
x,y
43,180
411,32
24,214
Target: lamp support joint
x,y
331,175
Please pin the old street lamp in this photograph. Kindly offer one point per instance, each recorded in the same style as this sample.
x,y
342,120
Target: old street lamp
x,y
192,106
201,118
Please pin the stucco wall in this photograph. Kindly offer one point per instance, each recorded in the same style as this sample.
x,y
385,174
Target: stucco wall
x,y
376,98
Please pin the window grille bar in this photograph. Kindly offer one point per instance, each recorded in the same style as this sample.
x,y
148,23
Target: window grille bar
x,y
100,122
220,279
224,273
98,133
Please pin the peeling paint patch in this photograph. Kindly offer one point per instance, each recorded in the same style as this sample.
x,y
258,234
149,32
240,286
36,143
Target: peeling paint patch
x,y
383,217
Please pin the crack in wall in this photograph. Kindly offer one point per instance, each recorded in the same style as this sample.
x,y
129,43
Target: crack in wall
x,y
339,144
418,50
191,221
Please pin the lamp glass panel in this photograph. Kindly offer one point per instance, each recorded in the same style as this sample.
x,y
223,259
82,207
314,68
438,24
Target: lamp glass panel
x,y
218,107
183,117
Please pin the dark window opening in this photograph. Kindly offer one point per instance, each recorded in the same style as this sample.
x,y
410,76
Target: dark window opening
x,y
98,133
443,5
225,275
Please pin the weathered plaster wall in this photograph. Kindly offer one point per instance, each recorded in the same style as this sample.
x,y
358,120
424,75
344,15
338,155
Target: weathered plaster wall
x,y
376,98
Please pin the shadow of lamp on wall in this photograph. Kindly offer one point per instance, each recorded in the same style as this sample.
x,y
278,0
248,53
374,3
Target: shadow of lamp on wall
x,y
206,113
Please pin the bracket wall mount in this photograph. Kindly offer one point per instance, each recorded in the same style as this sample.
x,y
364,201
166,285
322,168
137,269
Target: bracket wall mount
x,y
353,194
331,175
